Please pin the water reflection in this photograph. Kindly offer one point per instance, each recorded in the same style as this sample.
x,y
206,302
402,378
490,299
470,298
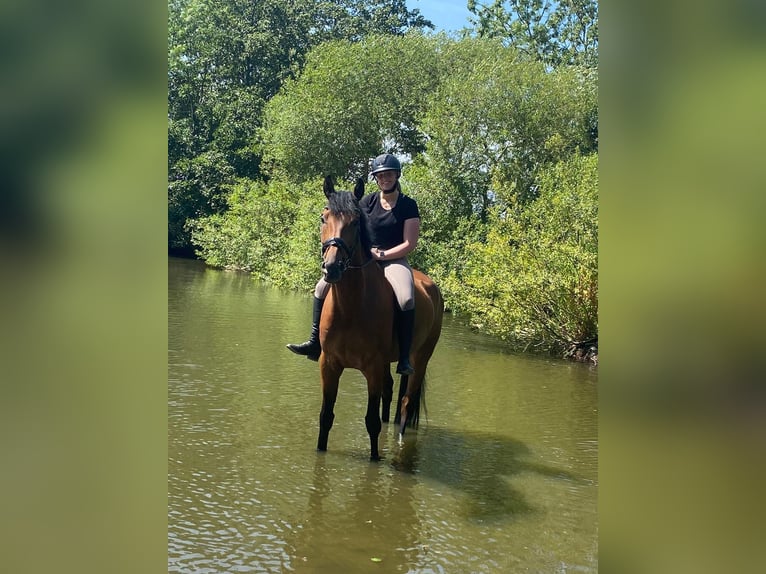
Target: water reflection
x,y
370,516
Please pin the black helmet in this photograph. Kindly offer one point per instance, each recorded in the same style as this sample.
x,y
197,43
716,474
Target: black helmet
x,y
386,162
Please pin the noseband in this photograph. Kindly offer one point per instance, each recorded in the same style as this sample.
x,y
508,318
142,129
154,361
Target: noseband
x,y
339,243
344,263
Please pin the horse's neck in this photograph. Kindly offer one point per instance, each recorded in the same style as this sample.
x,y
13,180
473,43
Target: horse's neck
x,y
352,292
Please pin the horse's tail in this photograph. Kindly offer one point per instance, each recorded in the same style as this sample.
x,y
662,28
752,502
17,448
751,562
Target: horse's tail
x,y
416,402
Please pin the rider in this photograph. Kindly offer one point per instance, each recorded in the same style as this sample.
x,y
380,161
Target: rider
x,y
394,222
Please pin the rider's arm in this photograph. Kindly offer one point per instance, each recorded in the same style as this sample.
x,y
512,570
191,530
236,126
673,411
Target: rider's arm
x,y
411,234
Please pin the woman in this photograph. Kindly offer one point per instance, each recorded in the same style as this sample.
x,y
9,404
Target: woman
x,y
395,227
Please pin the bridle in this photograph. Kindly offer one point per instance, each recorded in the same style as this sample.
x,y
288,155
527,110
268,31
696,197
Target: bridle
x,y
338,242
345,263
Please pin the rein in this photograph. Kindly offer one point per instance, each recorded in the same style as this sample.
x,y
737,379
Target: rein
x,y
362,266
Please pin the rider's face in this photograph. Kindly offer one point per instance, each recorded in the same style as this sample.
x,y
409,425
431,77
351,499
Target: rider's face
x,y
386,180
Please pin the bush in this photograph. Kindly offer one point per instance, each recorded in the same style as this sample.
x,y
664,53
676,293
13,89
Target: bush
x,y
535,279
270,230
252,234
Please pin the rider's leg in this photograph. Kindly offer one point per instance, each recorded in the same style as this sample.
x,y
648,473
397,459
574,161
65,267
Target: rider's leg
x,y
399,274
311,348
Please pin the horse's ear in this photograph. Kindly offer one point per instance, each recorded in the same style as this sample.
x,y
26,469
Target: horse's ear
x,y
359,188
328,187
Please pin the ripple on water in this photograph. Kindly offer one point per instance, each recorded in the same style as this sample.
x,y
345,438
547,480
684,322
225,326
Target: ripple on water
x,y
501,476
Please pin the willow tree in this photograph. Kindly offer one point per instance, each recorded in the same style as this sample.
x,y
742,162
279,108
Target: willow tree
x,y
494,125
498,188
555,32
352,101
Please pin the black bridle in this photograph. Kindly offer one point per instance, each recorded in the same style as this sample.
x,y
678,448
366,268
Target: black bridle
x,y
344,263
338,242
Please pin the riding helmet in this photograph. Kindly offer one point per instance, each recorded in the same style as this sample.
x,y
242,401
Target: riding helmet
x,y
386,162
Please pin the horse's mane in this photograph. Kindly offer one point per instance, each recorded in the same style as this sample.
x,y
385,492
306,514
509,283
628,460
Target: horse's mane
x,y
346,203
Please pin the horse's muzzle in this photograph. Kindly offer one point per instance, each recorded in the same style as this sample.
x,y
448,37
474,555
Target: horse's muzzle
x,y
333,272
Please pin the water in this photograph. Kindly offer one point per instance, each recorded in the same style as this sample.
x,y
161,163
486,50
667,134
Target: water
x,y
500,477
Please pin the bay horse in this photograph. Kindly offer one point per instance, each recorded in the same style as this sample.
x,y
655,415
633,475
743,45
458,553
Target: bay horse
x,y
356,330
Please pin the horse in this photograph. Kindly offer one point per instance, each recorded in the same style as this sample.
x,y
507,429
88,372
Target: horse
x,y
356,329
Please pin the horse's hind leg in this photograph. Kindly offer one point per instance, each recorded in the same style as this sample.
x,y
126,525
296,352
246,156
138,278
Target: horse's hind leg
x,y
403,381
411,394
412,390
388,393
330,378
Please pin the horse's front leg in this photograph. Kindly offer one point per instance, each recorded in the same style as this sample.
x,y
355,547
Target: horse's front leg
x,y
330,376
375,383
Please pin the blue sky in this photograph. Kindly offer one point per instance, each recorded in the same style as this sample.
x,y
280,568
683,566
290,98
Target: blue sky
x,y
448,15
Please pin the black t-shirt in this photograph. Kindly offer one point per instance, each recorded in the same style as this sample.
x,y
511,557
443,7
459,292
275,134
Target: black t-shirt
x,y
387,226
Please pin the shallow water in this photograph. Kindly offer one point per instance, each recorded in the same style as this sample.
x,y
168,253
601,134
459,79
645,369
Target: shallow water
x,y
500,477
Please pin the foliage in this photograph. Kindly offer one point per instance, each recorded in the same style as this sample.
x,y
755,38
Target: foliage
x,y
352,101
301,264
445,228
500,150
252,234
555,32
535,279
493,126
269,230
226,59
196,187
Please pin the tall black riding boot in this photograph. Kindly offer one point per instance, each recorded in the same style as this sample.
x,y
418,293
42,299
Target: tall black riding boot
x,y
404,331
311,348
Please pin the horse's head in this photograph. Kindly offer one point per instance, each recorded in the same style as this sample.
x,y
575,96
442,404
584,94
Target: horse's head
x,y
343,230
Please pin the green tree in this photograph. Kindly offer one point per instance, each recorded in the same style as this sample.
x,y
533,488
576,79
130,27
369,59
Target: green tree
x,y
553,31
252,234
197,187
493,126
226,59
499,150
352,101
